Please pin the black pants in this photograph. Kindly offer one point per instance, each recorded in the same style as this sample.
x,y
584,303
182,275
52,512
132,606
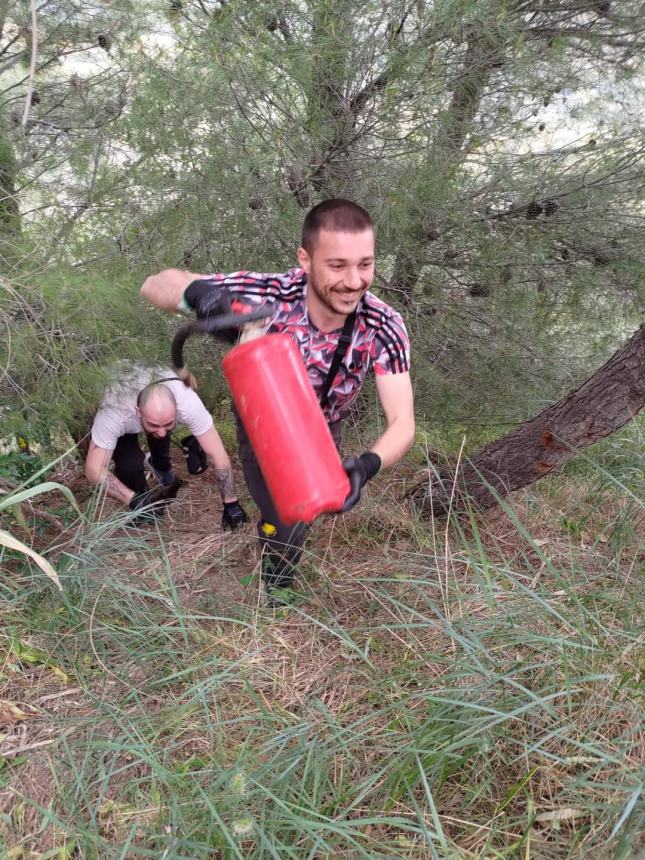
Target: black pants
x,y
128,459
282,544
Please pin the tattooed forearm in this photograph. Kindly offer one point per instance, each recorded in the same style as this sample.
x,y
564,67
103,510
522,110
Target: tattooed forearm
x,y
226,484
115,489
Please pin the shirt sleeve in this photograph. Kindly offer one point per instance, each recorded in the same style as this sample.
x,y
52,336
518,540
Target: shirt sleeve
x,y
392,346
107,428
192,412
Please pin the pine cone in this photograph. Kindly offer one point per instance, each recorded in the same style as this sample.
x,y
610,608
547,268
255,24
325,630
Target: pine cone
x,y
430,231
298,187
479,290
533,210
550,207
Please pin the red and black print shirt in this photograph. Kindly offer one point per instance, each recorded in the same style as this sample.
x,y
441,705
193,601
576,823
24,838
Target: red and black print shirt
x,y
379,340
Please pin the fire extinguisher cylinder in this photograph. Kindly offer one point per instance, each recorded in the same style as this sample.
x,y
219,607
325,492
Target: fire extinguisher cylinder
x,y
292,443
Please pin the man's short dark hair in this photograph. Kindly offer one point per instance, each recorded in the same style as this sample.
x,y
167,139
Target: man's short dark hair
x,y
335,214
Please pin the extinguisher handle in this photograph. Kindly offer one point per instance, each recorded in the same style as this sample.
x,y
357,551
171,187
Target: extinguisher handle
x,y
214,324
211,325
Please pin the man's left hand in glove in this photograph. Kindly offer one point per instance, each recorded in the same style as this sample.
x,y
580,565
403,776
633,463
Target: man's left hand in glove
x,y
151,504
359,471
233,516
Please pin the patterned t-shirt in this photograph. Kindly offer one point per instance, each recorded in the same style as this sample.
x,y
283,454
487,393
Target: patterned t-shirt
x,y
379,339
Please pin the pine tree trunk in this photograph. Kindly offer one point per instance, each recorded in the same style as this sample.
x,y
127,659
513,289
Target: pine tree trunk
x,y
597,408
446,151
9,212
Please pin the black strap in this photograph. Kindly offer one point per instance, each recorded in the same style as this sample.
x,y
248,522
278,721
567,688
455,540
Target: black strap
x,y
341,351
157,382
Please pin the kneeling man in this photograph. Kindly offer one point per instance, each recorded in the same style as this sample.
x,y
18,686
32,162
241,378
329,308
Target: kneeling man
x,y
153,401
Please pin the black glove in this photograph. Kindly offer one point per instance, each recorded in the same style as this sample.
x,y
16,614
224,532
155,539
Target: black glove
x,y
196,459
211,300
359,471
152,503
233,516
221,314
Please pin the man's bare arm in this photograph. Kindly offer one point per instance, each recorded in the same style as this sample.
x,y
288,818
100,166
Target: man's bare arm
x,y
97,472
214,449
395,393
166,289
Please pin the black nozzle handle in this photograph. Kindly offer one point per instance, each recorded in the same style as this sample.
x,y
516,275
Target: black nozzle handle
x,y
211,325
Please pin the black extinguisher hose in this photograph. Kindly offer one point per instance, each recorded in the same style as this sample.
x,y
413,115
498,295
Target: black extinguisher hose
x,y
212,325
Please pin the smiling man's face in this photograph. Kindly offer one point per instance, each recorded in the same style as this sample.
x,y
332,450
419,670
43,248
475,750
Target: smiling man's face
x,y
340,269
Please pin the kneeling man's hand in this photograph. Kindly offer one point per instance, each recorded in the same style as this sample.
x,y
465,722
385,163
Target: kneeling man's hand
x,y
234,515
152,503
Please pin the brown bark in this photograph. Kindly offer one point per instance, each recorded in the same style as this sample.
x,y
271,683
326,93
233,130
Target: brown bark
x,y
610,398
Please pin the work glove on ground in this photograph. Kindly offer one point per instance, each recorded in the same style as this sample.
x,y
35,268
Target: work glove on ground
x,y
233,516
196,459
151,504
359,471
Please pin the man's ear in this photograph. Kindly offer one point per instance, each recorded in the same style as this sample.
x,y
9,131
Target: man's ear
x,y
304,259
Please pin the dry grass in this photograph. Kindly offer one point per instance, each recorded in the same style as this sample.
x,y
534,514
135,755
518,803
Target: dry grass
x,y
462,691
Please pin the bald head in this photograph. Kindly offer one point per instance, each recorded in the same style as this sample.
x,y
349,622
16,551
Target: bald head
x,y
157,408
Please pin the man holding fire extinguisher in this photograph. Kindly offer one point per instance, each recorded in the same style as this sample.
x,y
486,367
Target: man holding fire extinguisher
x,y
342,331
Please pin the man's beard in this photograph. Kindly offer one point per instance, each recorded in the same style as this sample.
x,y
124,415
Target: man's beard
x,y
323,296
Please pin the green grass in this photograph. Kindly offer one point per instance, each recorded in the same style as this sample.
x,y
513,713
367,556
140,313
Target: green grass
x,y
469,692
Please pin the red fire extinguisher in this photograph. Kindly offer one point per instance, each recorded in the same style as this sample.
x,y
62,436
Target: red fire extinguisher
x,y
282,418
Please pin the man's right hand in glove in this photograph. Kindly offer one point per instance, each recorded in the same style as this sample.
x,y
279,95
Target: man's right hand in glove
x,y
211,300
151,504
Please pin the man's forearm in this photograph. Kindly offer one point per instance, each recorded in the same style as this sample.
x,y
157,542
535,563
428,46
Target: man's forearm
x,y
115,489
214,449
395,442
98,473
226,483
166,289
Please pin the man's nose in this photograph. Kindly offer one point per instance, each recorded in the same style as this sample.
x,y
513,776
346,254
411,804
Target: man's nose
x,y
354,280
161,433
